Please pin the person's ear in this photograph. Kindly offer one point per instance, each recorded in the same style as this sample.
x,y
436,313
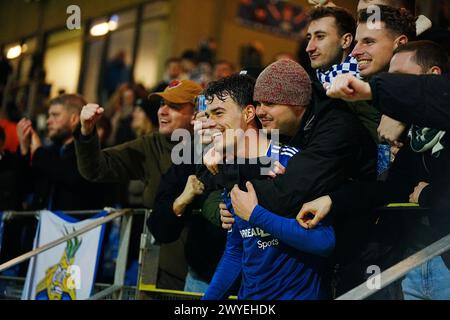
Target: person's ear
x,y
299,110
74,119
435,70
400,41
249,113
346,41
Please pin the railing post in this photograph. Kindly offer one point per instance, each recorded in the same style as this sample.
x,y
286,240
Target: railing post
x,y
143,245
148,261
121,263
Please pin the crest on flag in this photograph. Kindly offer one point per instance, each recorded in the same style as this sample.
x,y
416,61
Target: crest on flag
x,y
67,271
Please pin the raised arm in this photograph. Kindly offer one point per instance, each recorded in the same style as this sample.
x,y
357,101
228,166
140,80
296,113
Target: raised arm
x,y
423,100
322,166
419,99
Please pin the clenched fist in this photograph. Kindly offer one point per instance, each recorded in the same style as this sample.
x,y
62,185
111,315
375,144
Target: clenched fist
x,y
89,117
226,217
391,130
193,188
348,88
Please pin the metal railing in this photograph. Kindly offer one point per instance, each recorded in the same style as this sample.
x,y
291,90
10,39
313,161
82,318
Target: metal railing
x,y
13,287
116,289
396,272
148,271
149,261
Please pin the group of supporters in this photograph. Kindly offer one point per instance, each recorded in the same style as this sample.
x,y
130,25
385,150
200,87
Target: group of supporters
x,y
283,201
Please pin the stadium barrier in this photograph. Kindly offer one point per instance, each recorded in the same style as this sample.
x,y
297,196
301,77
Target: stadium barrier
x,y
117,288
397,271
149,261
148,271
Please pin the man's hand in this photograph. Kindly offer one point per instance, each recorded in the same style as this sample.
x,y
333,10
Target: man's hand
x,y
211,160
24,130
391,130
394,150
89,117
278,170
349,88
244,202
414,197
36,142
226,217
313,212
193,188
200,117
204,128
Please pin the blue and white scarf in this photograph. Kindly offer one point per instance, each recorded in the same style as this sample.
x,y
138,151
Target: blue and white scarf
x,y
350,65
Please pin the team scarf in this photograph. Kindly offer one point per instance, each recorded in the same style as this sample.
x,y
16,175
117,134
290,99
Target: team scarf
x,y
350,65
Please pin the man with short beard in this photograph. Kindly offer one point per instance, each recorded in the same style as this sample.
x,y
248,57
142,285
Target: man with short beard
x,y
330,36
266,263
53,174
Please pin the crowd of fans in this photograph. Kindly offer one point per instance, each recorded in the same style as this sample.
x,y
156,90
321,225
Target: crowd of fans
x,y
306,229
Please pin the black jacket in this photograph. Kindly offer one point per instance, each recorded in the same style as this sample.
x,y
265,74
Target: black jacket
x,y
424,101
354,204
57,184
205,242
408,169
334,147
11,182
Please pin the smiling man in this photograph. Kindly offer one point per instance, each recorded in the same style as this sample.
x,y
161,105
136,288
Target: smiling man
x,y
375,45
231,120
282,117
146,158
419,173
376,41
260,251
230,107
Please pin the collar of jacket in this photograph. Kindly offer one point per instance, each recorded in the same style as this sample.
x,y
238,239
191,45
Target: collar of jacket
x,y
167,140
61,148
